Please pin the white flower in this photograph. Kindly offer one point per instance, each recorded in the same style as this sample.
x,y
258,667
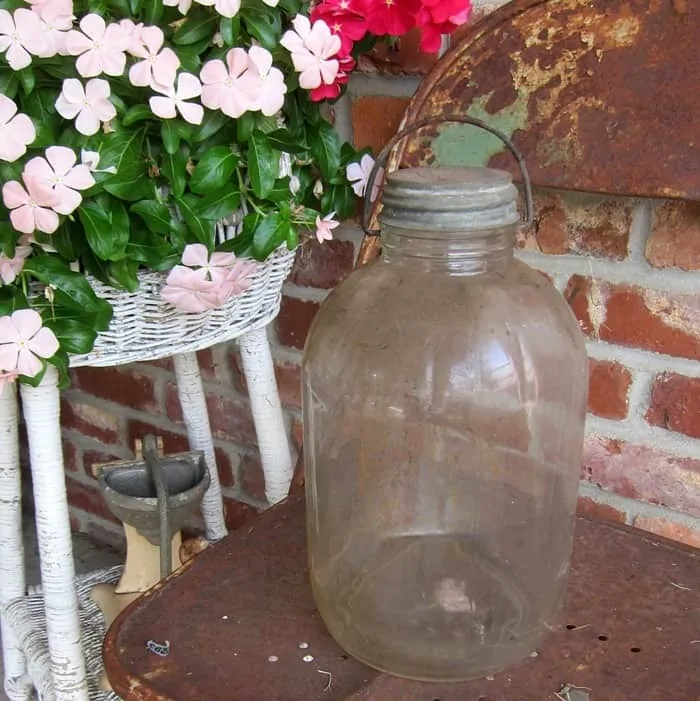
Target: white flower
x,y
312,49
20,36
90,104
175,100
91,159
182,5
358,175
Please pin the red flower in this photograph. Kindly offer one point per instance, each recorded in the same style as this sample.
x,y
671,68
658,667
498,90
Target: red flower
x,y
441,11
330,92
438,17
345,19
390,17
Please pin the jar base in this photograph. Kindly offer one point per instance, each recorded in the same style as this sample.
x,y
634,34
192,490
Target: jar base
x,y
468,618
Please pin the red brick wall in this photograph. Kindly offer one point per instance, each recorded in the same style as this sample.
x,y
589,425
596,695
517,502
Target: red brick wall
x,y
629,269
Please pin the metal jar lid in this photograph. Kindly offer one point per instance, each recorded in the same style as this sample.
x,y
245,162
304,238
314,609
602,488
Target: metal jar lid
x,y
449,199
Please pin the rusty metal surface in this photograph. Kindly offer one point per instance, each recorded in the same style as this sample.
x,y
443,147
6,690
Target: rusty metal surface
x,y
633,611
599,95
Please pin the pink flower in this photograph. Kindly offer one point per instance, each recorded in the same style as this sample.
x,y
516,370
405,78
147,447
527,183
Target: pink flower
x,y
20,36
390,17
175,100
226,8
10,268
62,7
56,20
100,48
229,87
358,175
23,340
344,18
16,131
312,49
32,209
90,104
182,5
133,31
271,87
158,66
6,377
60,172
214,281
325,226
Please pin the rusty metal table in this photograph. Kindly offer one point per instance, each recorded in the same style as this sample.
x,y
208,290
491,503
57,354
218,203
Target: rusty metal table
x,y
630,629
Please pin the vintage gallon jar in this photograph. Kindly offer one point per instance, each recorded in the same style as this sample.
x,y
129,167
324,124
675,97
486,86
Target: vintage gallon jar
x,y
444,394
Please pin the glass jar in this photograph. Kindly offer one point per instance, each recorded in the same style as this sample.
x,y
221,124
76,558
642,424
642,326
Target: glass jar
x,y
444,401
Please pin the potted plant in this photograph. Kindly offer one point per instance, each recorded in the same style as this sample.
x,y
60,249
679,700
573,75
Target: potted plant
x,y
180,142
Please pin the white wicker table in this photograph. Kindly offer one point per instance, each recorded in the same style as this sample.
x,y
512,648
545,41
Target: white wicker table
x,y
140,337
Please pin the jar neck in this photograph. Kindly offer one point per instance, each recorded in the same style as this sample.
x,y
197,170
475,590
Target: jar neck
x,y
455,252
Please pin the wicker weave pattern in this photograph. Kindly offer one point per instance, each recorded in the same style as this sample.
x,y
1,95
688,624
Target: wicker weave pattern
x,y
145,327
26,616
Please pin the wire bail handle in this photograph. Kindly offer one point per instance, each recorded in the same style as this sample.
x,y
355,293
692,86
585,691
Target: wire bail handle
x,y
383,157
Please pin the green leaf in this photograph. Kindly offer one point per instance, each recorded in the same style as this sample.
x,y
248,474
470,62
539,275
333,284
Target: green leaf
x,y
131,183
197,26
202,229
340,199
138,113
325,147
155,214
211,124
69,240
174,169
107,241
271,233
284,140
214,170
53,271
264,23
151,250
170,136
73,335
263,164
229,28
27,80
124,273
280,191
152,11
8,83
120,149
219,204
245,125
292,239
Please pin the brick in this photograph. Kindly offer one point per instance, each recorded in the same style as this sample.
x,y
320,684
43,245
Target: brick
x,y
579,223
297,434
89,420
675,236
237,514
640,318
294,321
70,456
252,477
88,499
594,510
288,380
172,442
641,472
289,384
608,390
161,363
231,419
675,404
376,119
323,265
236,370
225,467
208,366
669,529
121,385
401,57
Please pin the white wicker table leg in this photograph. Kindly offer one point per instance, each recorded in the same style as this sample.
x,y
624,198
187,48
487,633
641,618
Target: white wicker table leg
x,y
42,416
12,576
267,414
194,409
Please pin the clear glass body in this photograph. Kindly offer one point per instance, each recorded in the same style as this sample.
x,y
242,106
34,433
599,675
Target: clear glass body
x,y
444,402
